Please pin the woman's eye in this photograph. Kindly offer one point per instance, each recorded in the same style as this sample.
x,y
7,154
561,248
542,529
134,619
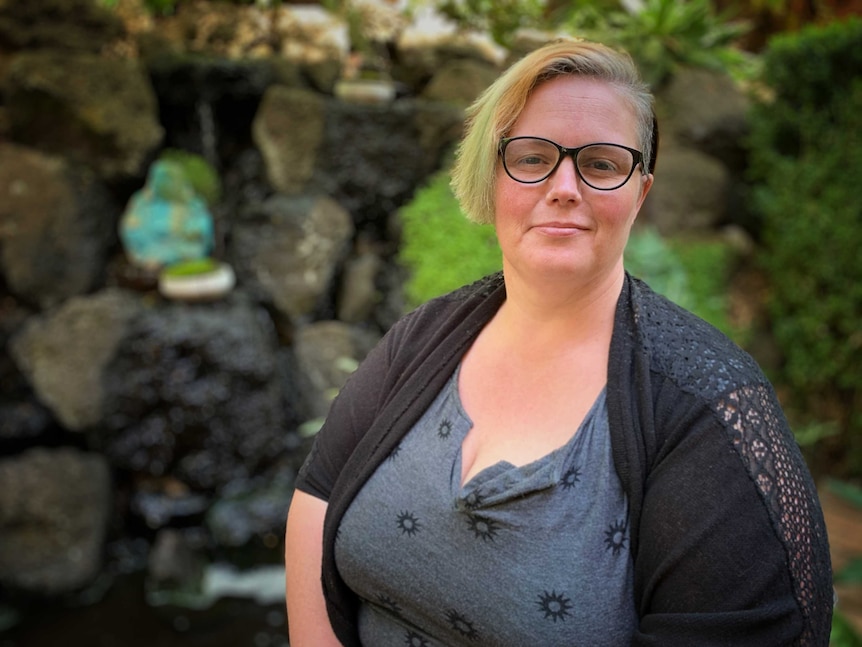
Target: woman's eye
x,y
532,160
600,165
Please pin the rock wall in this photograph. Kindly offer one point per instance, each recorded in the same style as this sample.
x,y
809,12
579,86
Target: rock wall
x,y
126,416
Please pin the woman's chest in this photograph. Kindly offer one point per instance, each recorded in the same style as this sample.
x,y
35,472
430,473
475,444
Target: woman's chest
x,y
521,413
531,554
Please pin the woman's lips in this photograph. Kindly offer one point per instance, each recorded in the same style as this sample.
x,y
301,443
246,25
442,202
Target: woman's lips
x,y
559,228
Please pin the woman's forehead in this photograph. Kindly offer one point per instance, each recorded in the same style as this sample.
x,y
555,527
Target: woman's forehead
x,y
568,104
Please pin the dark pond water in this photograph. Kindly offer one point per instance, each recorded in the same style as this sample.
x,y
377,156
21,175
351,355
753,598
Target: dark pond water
x,y
122,618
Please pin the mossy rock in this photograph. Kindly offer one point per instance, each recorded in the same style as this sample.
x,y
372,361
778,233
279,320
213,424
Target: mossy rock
x,y
200,173
191,268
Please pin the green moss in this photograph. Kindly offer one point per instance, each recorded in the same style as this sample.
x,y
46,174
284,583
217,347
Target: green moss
x,y
441,249
191,268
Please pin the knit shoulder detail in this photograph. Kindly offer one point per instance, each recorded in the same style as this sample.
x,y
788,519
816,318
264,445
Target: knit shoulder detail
x,y
702,361
691,352
480,288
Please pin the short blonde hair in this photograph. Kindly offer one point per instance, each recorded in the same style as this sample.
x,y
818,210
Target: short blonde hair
x,y
494,113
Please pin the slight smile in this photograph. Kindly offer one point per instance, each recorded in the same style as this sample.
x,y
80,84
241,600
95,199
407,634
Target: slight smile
x,y
559,229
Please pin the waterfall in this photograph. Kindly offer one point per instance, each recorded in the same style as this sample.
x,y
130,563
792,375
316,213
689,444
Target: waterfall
x,y
206,123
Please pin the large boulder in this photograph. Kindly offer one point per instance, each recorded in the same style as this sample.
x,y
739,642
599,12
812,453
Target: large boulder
x,y
706,110
313,39
288,130
194,391
373,157
73,25
327,353
288,249
54,510
430,42
701,159
56,226
64,353
370,158
691,192
460,81
94,111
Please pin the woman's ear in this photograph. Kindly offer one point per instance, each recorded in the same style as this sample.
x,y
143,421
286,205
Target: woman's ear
x,y
646,185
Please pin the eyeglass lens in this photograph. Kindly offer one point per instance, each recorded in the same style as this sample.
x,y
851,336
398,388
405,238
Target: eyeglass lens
x,y
601,166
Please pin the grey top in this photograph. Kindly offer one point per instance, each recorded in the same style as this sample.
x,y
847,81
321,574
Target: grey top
x,y
725,527
531,555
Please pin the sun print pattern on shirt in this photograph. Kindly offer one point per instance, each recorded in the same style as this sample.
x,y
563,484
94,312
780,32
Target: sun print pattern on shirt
x,y
389,604
554,605
445,428
413,639
482,527
462,625
570,478
474,499
615,536
408,523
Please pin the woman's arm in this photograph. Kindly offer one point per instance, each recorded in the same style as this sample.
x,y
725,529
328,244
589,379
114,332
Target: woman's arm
x,y
308,622
732,546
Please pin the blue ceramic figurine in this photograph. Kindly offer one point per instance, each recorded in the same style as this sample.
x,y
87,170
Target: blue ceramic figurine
x,y
166,222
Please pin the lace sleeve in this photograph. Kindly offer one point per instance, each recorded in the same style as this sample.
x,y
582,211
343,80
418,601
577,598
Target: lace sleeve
x,y
763,441
695,366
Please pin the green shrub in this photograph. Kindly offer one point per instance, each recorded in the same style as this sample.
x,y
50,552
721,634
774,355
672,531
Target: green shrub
x,y
843,634
441,249
806,164
709,265
692,272
500,18
662,35
650,258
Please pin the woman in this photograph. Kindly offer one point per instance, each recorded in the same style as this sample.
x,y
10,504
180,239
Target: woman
x,y
557,455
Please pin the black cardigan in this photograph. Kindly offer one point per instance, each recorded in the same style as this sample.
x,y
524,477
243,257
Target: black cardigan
x,y
727,535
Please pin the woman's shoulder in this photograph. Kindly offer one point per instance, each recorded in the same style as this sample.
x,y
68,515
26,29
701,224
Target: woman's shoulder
x,y
683,347
480,290
447,319
489,291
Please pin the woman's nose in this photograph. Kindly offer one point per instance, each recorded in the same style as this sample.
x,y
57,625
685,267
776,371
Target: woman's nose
x,y
565,182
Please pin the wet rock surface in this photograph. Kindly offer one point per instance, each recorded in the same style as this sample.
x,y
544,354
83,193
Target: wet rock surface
x,y
54,510
194,391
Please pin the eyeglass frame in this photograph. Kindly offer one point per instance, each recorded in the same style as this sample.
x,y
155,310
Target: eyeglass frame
x,y
637,158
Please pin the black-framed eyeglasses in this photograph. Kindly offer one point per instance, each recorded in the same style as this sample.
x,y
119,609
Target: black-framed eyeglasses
x,y
601,166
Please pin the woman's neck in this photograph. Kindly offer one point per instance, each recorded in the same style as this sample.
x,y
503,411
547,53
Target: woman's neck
x,y
560,311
